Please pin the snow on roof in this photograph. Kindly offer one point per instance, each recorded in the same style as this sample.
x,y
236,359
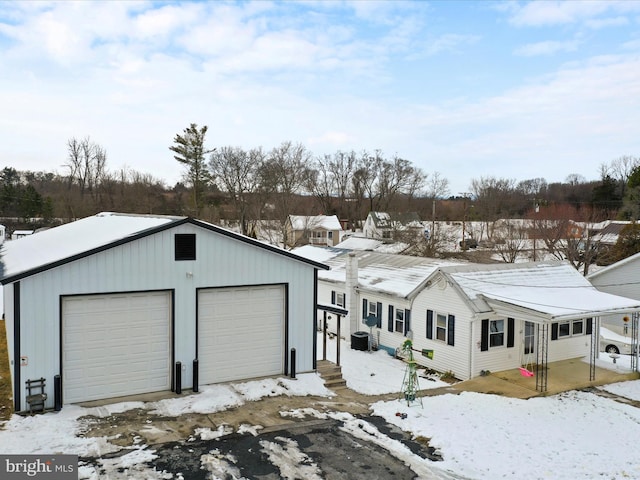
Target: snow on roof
x,y
554,290
398,275
73,238
360,243
317,254
324,222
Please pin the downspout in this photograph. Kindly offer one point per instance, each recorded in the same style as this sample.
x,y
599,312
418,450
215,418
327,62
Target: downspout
x,y
471,358
351,285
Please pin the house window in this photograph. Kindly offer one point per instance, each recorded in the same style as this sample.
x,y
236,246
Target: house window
x,y
185,246
496,333
441,327
399,321
577,327
386,234
372,309
340,299
564,329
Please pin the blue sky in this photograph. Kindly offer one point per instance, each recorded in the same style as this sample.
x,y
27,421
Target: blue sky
x,y
468,89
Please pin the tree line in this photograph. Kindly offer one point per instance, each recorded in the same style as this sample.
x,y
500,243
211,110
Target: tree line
x,y
248,186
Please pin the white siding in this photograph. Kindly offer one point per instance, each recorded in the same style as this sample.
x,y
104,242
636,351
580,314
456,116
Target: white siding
x,y
441,298
148,264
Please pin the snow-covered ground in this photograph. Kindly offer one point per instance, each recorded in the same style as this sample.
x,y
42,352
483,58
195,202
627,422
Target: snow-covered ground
x,y
574,435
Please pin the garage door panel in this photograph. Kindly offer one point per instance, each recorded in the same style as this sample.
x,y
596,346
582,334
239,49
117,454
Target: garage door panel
x,y
240,333
116,345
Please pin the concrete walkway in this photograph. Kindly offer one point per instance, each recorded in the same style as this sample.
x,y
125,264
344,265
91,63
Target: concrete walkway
x,y
561,376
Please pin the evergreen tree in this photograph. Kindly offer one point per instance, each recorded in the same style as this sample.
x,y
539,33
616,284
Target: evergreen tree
x,y
190,152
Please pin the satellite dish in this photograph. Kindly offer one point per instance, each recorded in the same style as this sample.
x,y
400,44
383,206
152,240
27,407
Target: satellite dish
x,y
371,321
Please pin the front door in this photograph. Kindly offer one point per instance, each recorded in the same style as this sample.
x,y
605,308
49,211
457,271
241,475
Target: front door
x,y
529,353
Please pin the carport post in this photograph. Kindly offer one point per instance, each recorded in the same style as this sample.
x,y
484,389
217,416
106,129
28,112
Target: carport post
x,y
324,335
338,342
195,375
178,378
293,363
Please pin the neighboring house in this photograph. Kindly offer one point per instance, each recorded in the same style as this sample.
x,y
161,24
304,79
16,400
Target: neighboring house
x,y
119,304
620,278
385,226
607,235
20,234
469,318
321,230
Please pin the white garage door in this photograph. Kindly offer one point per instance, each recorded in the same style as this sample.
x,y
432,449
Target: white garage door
x,y
240,333
115,345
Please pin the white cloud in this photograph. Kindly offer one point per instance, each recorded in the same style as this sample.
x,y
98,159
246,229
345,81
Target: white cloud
x,y
537,13
546,48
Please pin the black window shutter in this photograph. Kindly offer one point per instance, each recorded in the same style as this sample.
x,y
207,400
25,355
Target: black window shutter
x,y
484,336
365,308
333,297
589,329
407,321
379,312
430,324
554,331
390,323
451,329
510,332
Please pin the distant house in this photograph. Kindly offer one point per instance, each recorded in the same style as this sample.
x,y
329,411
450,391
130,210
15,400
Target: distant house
x,y
320,230
607,235
383,225
119,304
20,234
469,318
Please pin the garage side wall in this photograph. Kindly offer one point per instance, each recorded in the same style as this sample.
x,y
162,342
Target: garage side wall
x,y
148,264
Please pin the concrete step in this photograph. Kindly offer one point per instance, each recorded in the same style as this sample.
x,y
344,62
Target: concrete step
x,y
331,374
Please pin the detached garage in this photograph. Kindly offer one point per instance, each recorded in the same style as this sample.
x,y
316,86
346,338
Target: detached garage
x,y
117,304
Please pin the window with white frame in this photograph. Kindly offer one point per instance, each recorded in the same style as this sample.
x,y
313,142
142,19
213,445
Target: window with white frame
x,y
570,329
577,327
496,333
340,299
441,327
372,309
398,324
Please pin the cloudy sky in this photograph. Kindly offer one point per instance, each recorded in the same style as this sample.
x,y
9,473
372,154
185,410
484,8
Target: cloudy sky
x,y
469,89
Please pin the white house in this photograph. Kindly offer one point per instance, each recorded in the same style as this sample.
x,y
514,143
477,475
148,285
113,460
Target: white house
x,y
17,234
119,304
470,318
385,225
322,230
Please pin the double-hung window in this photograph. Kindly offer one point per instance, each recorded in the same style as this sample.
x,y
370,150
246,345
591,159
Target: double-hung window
x,y
441,327
372,309
496,333
399,321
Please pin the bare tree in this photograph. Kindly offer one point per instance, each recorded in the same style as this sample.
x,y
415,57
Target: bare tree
x,y
236,173
285,174
437,186
510,240
492,199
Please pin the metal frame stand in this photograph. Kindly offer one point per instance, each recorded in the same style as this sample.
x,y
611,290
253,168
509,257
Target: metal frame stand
x,y
410,386
542,357
593,356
